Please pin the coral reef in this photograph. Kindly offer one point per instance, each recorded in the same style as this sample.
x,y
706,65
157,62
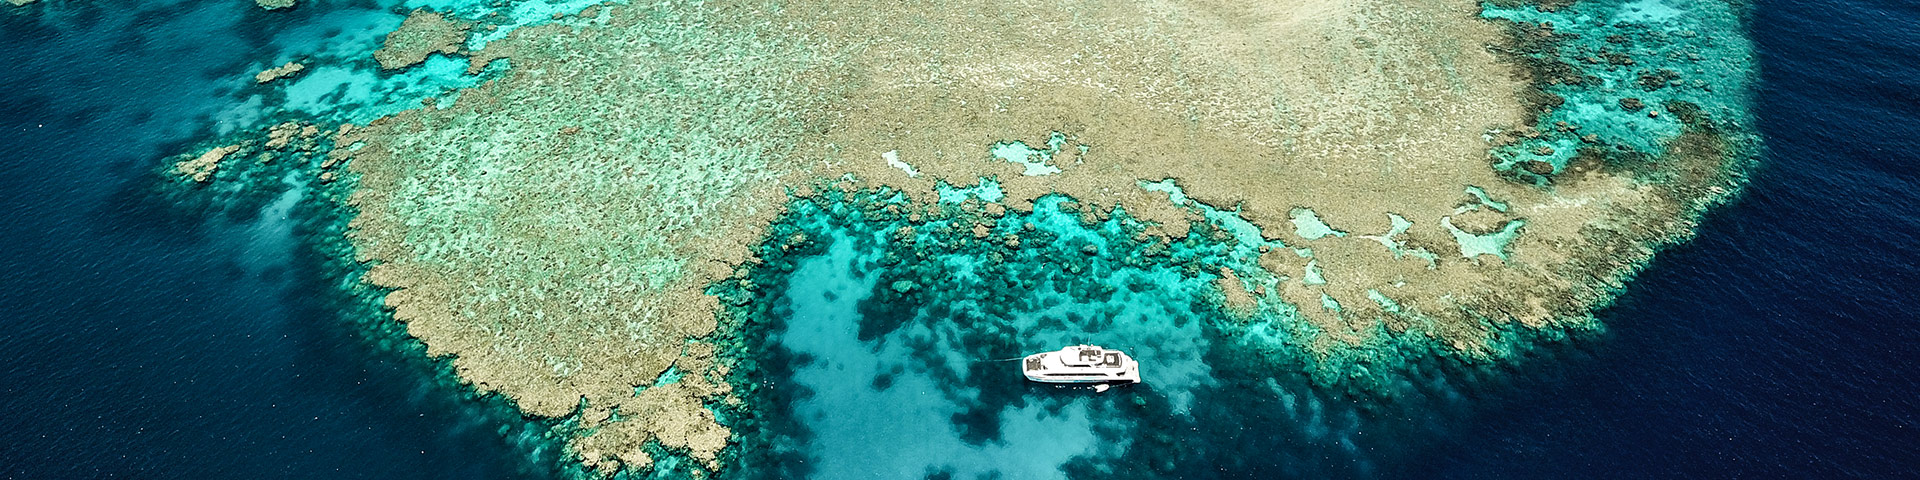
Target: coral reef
x,y
562,259
283,71
20,3
292,177
423,33
1354,145
275,4
1380,172
200,169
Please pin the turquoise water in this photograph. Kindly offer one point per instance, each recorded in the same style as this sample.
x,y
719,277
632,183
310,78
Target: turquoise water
x,y
1629,77
1034,162
900,336
1494,243
1307,225
342,83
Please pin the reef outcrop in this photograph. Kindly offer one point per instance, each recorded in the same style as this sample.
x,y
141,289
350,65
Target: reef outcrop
x,y
283,71
276,4
200,169
423,33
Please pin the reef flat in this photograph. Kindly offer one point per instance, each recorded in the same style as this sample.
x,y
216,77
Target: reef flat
x,y
1375,181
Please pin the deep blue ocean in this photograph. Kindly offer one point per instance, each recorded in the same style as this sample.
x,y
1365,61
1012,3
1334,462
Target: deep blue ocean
x,y
143,341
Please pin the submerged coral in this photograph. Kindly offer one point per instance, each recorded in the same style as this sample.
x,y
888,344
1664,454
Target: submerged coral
x,y
870,319
275,4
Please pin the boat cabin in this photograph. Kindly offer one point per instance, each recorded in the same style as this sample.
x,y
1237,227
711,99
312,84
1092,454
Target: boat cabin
x,y
1084,364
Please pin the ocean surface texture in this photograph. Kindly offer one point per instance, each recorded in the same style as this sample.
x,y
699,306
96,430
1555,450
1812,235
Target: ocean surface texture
x,y
179,308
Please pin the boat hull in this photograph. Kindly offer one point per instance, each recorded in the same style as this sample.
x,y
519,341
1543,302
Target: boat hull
x,y
1085,381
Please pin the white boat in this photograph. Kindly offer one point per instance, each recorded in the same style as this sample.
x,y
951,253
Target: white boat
x,y
1082,364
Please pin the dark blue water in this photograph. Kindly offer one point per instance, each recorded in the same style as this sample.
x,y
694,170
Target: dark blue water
x,y
145,342
1781,342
